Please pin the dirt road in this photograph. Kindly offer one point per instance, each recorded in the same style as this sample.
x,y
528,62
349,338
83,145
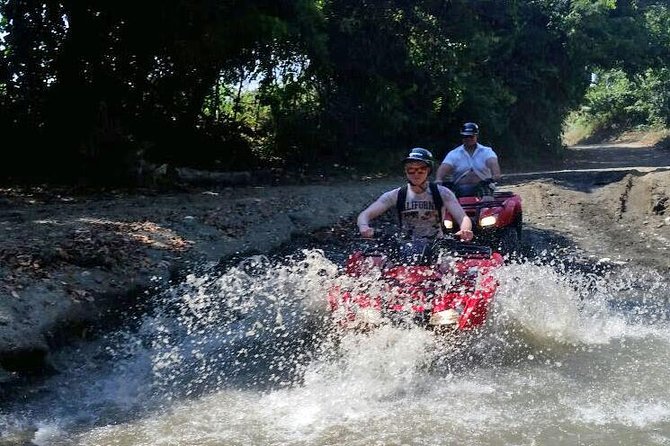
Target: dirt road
x,y
610,202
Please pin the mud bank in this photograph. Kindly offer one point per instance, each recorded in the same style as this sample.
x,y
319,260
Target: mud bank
x,y
66,262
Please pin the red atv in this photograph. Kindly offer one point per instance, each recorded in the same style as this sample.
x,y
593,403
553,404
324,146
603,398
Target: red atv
x,y
496,220
441,285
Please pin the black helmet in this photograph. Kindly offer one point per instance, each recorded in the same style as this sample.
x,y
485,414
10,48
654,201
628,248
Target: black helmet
x,y
419,154
469,128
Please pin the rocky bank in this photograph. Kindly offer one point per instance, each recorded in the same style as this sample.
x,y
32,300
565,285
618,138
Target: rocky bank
x,y
66,260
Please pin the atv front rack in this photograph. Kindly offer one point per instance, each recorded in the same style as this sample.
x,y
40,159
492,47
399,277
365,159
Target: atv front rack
x,y
462,249
425,254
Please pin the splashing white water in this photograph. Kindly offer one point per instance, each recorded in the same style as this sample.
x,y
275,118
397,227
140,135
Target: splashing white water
x,y
552,307
244,357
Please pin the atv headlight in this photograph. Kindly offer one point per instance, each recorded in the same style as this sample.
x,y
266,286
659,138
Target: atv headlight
x,y
488,221
489,216
448,224
446,317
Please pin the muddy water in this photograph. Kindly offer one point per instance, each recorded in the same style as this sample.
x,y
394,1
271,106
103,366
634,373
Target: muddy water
x,y
244,356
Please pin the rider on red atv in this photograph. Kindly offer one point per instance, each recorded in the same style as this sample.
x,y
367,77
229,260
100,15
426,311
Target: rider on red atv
x,y
420,204
470,169
419,276
473,170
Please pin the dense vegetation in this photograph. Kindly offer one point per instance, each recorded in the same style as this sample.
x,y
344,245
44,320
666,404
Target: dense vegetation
x,y
92,91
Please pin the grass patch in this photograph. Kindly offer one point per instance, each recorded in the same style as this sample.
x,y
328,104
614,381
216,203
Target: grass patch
x,y
576,132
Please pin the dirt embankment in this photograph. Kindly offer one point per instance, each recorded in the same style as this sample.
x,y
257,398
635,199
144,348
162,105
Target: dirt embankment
x,y
66,260
610,201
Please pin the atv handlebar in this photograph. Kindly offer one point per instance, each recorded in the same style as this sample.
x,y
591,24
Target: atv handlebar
x,y
484,187
421,251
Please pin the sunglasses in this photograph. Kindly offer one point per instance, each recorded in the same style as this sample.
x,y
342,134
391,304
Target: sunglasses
x,y
413,170
468,136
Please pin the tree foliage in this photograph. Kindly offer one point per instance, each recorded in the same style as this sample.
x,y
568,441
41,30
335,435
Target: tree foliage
x,y
94,89
626,95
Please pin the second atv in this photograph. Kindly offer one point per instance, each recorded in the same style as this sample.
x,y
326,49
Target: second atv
x,y
496,220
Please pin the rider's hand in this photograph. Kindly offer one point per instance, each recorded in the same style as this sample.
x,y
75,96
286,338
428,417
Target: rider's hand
x,y
465,235
367,232
488,185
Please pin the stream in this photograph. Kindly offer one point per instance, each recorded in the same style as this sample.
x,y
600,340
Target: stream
x,y
246,355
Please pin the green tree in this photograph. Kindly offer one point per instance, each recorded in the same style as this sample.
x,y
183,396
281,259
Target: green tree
x,y
632,81
129,73
232,84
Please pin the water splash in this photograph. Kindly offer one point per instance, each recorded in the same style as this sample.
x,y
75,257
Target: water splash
x,y
247,356
553,303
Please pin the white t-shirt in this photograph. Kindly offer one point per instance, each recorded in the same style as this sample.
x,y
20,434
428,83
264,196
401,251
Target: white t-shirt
x,y
419,219
464,163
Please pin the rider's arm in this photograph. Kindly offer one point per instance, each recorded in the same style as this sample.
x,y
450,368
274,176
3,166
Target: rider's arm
x,y
465,224
492,163
370,213
444,172
457,212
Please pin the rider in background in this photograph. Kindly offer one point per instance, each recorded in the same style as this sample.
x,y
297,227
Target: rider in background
x,y
470,169
421,214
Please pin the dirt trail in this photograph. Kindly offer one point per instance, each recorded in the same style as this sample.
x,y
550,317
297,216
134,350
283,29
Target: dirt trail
x,y
609,202
66,260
